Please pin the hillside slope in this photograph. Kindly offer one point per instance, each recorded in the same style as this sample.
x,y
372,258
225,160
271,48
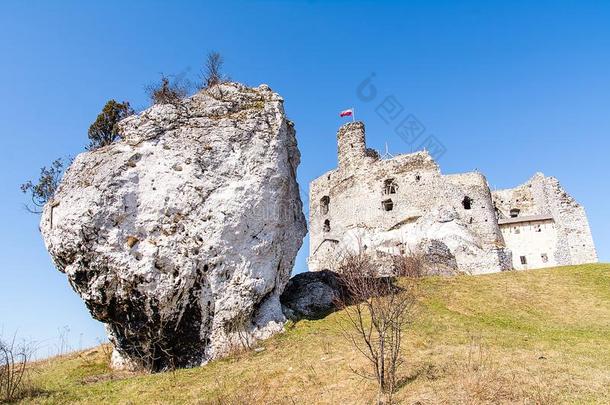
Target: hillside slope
x,y
539,336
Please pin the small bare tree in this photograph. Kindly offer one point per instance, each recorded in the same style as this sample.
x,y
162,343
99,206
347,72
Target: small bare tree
x,y
378,311
212,73
14,360
166,91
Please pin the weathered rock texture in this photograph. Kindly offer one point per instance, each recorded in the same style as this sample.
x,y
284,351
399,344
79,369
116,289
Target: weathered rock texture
x,y
543,225
181,237
312,295
406,205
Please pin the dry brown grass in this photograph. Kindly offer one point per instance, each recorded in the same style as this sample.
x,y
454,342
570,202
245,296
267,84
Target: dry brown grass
x,y
534,337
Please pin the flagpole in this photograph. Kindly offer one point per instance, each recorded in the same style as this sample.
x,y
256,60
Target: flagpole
x,y
353,114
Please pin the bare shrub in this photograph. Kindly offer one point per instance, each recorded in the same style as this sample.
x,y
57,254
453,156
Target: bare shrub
x,y
378,311
408,266
14,359
540,391
480,378
239,339
149,349
166,91
212,71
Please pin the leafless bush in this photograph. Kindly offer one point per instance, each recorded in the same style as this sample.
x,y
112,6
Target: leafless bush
x,y
378,312
166,91
212,71
106,349
480,379
239,338
149,350
14,360
408,266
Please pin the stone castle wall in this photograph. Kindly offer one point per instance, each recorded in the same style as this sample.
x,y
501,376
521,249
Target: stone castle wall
x,y
543,197
406,205
391,206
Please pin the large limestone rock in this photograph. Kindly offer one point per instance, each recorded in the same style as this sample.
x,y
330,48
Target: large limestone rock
x,y
181,237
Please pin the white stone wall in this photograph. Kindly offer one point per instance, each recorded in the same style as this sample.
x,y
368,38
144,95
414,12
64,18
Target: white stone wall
x,y
544,195
531,240
426,205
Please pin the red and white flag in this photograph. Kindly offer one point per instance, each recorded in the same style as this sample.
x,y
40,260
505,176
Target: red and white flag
x,y
346,113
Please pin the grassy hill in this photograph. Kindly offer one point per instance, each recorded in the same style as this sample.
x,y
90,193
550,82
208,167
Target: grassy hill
x,y
539,336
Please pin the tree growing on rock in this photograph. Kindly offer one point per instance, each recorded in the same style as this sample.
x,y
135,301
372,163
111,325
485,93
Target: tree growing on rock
x,y
44,190
14,367
213,70
104,129
166,91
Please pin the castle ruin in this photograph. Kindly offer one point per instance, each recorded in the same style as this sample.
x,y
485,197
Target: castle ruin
x,y
406,205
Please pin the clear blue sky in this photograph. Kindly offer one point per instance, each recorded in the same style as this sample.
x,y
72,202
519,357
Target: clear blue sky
x,y
508,88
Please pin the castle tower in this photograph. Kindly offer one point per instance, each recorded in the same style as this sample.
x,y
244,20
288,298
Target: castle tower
x,y
352,144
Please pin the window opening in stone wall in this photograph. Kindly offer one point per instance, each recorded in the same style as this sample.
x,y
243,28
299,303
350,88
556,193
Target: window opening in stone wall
x,y
544,257
387,205
326,227
324,204
467,203
523,260
389,186
417,177
537,228
514,213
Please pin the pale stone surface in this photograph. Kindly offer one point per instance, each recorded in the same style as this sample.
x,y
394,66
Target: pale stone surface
x,y
182,236
550,228
405,205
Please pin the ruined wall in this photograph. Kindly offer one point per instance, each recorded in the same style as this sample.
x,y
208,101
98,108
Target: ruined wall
x,y
391,206
543,195
405,204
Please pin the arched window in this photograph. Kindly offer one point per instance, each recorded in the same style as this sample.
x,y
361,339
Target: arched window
x,y
467,203
324,203
387,205
326,227
514,213
389,186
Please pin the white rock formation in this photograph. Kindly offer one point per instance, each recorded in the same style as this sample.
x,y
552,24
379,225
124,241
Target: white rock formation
x,y
181,237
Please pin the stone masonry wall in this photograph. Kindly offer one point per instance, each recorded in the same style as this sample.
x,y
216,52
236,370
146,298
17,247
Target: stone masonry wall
x,y
349,208
544,195
406,205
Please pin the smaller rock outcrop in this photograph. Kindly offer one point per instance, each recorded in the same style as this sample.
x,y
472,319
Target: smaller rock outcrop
x,y
436,258
312,295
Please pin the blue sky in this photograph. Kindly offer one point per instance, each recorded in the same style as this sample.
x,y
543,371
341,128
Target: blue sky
x,y
508,88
